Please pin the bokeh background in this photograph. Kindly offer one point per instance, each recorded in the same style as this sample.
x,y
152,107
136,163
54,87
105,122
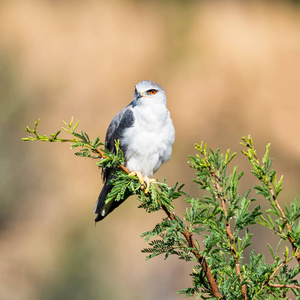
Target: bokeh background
x,y
229,68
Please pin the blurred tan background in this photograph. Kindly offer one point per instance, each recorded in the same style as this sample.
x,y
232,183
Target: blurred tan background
x,y
229,69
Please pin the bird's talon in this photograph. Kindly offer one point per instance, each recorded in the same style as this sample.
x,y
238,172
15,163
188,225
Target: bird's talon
x,y
144,181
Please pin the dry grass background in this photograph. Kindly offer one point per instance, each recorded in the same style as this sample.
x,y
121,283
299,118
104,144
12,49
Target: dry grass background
x,y
229,69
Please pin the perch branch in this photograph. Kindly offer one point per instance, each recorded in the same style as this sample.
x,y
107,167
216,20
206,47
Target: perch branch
x,y
189,239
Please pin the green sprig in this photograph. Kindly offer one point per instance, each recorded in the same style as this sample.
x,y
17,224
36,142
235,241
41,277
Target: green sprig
x,y
214,230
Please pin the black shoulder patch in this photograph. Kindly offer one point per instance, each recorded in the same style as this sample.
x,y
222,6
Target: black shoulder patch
x,y
124,119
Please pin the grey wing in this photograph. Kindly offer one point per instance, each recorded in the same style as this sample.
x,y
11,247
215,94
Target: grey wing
x,y
124,119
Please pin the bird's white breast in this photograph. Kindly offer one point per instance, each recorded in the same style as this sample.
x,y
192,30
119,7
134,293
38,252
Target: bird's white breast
x,y
149,141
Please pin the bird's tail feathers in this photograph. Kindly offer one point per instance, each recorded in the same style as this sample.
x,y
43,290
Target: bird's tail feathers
x,y
101,208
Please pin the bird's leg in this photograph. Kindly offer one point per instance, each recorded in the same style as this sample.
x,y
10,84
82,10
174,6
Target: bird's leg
x,y
139,176
148,181
144,180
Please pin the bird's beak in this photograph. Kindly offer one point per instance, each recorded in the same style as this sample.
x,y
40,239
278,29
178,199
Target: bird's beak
x,y
137,94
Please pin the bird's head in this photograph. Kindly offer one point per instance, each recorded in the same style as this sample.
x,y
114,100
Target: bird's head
x,y
149,92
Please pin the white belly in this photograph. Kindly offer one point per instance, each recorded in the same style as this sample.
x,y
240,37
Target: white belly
x,y
149,142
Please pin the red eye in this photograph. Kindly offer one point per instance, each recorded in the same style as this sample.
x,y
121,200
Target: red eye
x,y
152,92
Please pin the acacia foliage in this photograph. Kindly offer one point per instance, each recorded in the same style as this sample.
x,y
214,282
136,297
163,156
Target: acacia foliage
x,y
221,219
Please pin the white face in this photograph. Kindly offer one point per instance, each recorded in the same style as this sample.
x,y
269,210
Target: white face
x,y
147,92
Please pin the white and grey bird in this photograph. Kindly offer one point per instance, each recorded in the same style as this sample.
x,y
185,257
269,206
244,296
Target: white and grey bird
x,y
146,135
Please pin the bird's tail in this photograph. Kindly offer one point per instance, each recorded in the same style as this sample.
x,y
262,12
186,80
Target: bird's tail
x,y
102,209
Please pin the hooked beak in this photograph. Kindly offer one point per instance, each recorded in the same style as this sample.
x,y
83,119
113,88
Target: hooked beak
x,y
137,94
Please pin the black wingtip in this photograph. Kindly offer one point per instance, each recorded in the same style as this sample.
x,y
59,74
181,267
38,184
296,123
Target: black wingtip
x,y
98,218
100,205
101,202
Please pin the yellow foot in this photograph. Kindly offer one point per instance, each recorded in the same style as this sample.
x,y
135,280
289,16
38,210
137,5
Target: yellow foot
x,y
144,180
148,181
139,175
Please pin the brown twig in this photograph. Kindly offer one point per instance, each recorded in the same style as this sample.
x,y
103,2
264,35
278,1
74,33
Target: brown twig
x,y
288,286
291,240
275,271
288,226
230,235
277,285
102,155
199,257
189,239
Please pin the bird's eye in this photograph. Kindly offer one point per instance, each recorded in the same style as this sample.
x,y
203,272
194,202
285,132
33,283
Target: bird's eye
x,y
152,92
